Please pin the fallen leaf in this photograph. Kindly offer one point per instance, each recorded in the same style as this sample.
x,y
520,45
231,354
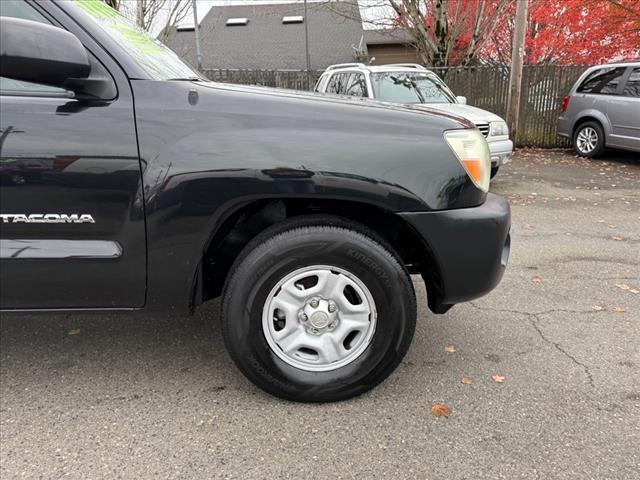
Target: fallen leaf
x,y
466,381
440,410
633,290
527,226
450,349
596,308
623,286
536,280
75,331
619,309
616,237
498,378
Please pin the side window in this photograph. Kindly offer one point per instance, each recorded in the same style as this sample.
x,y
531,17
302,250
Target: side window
x,y
357,86
632,87
337,83
603,81
341,80
332,84
9,86
321,81
21,9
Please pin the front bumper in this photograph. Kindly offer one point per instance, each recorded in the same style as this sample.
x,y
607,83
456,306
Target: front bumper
x,y
501,151
469,248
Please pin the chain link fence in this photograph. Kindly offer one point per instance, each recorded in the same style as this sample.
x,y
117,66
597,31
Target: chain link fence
x,y
543,88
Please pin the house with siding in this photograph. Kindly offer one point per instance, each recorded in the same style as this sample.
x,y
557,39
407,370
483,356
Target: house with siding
x,y
392,45
272,37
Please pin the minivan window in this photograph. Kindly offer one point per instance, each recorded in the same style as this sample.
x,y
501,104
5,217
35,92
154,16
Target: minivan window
x,y
603,81
632,87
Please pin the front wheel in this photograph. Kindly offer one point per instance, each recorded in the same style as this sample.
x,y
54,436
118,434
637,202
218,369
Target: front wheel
x,y
318,311
588,139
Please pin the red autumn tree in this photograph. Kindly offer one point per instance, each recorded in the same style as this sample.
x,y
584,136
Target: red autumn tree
x,y
571,32
448,32
462,32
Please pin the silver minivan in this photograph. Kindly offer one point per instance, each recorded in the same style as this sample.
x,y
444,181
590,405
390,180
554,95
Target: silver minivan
x,y
603,110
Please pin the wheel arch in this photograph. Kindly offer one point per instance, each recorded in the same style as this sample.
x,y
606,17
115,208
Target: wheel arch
x,y
248,220
592,116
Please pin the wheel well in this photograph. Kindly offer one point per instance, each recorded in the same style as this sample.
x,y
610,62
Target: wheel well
x,y
250,220
582,120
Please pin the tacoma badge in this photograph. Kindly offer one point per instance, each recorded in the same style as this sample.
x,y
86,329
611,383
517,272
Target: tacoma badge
x,y
46,218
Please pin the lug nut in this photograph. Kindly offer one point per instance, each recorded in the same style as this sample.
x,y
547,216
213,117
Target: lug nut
x,y
303,316
315,331
332,307
333,324
314,303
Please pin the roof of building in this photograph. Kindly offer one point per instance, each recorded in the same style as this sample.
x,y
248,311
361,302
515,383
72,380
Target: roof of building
x,y
387,36
269,41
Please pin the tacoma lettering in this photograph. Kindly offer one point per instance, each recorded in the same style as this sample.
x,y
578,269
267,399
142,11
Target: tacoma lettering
x,y
46,218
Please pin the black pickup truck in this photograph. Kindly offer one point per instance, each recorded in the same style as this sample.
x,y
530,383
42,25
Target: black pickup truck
x,y
128,182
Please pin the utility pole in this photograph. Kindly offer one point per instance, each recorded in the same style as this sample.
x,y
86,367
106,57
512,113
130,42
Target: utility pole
x,y
196,28
517,59
140,13
306,44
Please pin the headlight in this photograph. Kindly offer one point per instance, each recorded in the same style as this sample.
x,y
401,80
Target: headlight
x,y
472,151
498,129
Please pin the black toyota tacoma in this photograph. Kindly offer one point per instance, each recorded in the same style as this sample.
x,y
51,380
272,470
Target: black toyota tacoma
x,y
130,183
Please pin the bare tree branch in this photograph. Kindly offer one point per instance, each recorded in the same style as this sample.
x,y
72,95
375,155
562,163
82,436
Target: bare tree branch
x,y
159,15
442,31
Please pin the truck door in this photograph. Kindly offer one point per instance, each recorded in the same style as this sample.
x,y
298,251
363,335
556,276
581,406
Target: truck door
x,y
72,230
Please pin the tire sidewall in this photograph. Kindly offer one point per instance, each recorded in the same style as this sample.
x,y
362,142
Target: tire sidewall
x,y
599,146
265,266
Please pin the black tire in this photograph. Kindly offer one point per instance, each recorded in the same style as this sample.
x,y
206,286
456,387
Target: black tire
x,y
319,240
589,126
494,170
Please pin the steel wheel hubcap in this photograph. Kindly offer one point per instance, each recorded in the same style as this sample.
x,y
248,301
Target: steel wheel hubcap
x,y
319,318
587,140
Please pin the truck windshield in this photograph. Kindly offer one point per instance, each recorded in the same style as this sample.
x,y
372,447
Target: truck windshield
x,y
410,87
156,59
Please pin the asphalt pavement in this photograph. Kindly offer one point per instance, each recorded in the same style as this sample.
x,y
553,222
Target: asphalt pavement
x,y
92,397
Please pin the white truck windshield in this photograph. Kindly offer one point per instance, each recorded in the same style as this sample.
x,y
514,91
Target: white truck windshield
x,y
410,87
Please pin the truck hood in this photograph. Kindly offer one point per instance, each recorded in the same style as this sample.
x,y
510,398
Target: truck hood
x,y
473,114
395,154
462,120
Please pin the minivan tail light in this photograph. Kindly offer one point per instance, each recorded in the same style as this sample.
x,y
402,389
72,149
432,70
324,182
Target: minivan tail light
x,y
565,103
